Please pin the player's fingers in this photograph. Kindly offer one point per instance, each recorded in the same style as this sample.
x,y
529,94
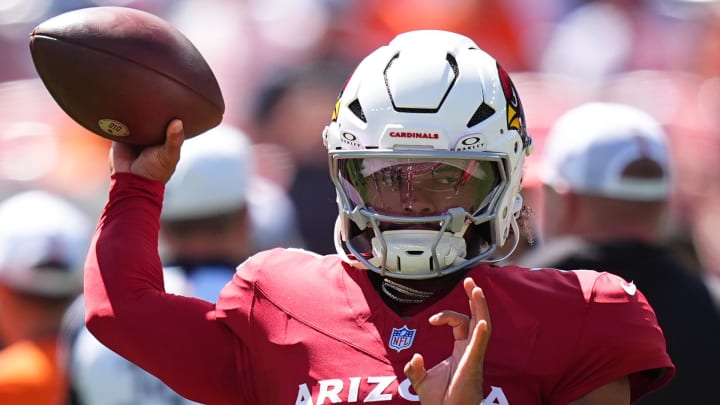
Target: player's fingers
x,y
121,157
175,135
478,304
479,307
415,370
480,326
175,131
479,338
158,162
469,285
460,323
167,155
469,371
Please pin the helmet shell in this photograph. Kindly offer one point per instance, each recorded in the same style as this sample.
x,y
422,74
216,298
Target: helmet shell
x,y
429,92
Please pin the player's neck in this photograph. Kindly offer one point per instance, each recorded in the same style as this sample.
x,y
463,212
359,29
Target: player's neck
x,y
408,297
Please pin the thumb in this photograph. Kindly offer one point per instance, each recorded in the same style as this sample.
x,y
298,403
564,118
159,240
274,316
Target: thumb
x,y
158,162
175,136
415,370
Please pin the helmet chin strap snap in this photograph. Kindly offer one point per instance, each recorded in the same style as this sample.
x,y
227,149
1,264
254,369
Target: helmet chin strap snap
x,y
406,251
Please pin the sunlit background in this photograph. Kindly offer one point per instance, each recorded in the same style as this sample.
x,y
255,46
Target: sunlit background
x,y
281,63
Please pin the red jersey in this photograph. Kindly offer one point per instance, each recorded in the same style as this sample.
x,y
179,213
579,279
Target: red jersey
x,y
297,328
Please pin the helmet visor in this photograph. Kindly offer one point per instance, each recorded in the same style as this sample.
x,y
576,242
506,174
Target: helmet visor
x,y
419,187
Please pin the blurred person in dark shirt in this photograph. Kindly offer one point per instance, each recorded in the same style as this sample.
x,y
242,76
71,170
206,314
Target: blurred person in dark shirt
x,y
607,181
290,110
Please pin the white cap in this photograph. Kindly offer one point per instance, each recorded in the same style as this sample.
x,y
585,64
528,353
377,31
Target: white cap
x,y
212,176
43,244
590,147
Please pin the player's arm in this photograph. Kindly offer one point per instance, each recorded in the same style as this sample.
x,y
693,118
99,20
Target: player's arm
x,y
176,338
620,350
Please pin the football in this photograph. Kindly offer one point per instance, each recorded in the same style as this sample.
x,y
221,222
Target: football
x,y
124,74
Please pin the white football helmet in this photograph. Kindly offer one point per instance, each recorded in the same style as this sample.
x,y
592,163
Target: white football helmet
x,y
426,149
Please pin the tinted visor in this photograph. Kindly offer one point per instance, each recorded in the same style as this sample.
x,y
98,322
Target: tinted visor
x,y
419,187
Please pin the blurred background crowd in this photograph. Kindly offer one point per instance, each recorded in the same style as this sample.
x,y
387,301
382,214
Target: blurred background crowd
x,y
282,63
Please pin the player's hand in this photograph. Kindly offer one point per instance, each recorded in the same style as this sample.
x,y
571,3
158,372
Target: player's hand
x,y
458,379
153,162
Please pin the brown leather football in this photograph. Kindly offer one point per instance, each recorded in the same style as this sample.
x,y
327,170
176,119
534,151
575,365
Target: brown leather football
x,y
124,74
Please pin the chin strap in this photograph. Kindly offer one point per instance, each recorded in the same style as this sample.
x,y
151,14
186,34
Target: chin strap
x,y
516,237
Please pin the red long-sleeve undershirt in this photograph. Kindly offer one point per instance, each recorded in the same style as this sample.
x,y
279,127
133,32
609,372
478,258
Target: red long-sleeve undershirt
x,y
176,338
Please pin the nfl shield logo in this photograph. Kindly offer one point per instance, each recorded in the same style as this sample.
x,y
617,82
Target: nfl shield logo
x,y
401,338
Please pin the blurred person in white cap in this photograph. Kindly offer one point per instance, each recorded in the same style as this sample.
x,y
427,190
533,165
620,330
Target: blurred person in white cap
x,y
607,182
215,214
216,211
43,242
